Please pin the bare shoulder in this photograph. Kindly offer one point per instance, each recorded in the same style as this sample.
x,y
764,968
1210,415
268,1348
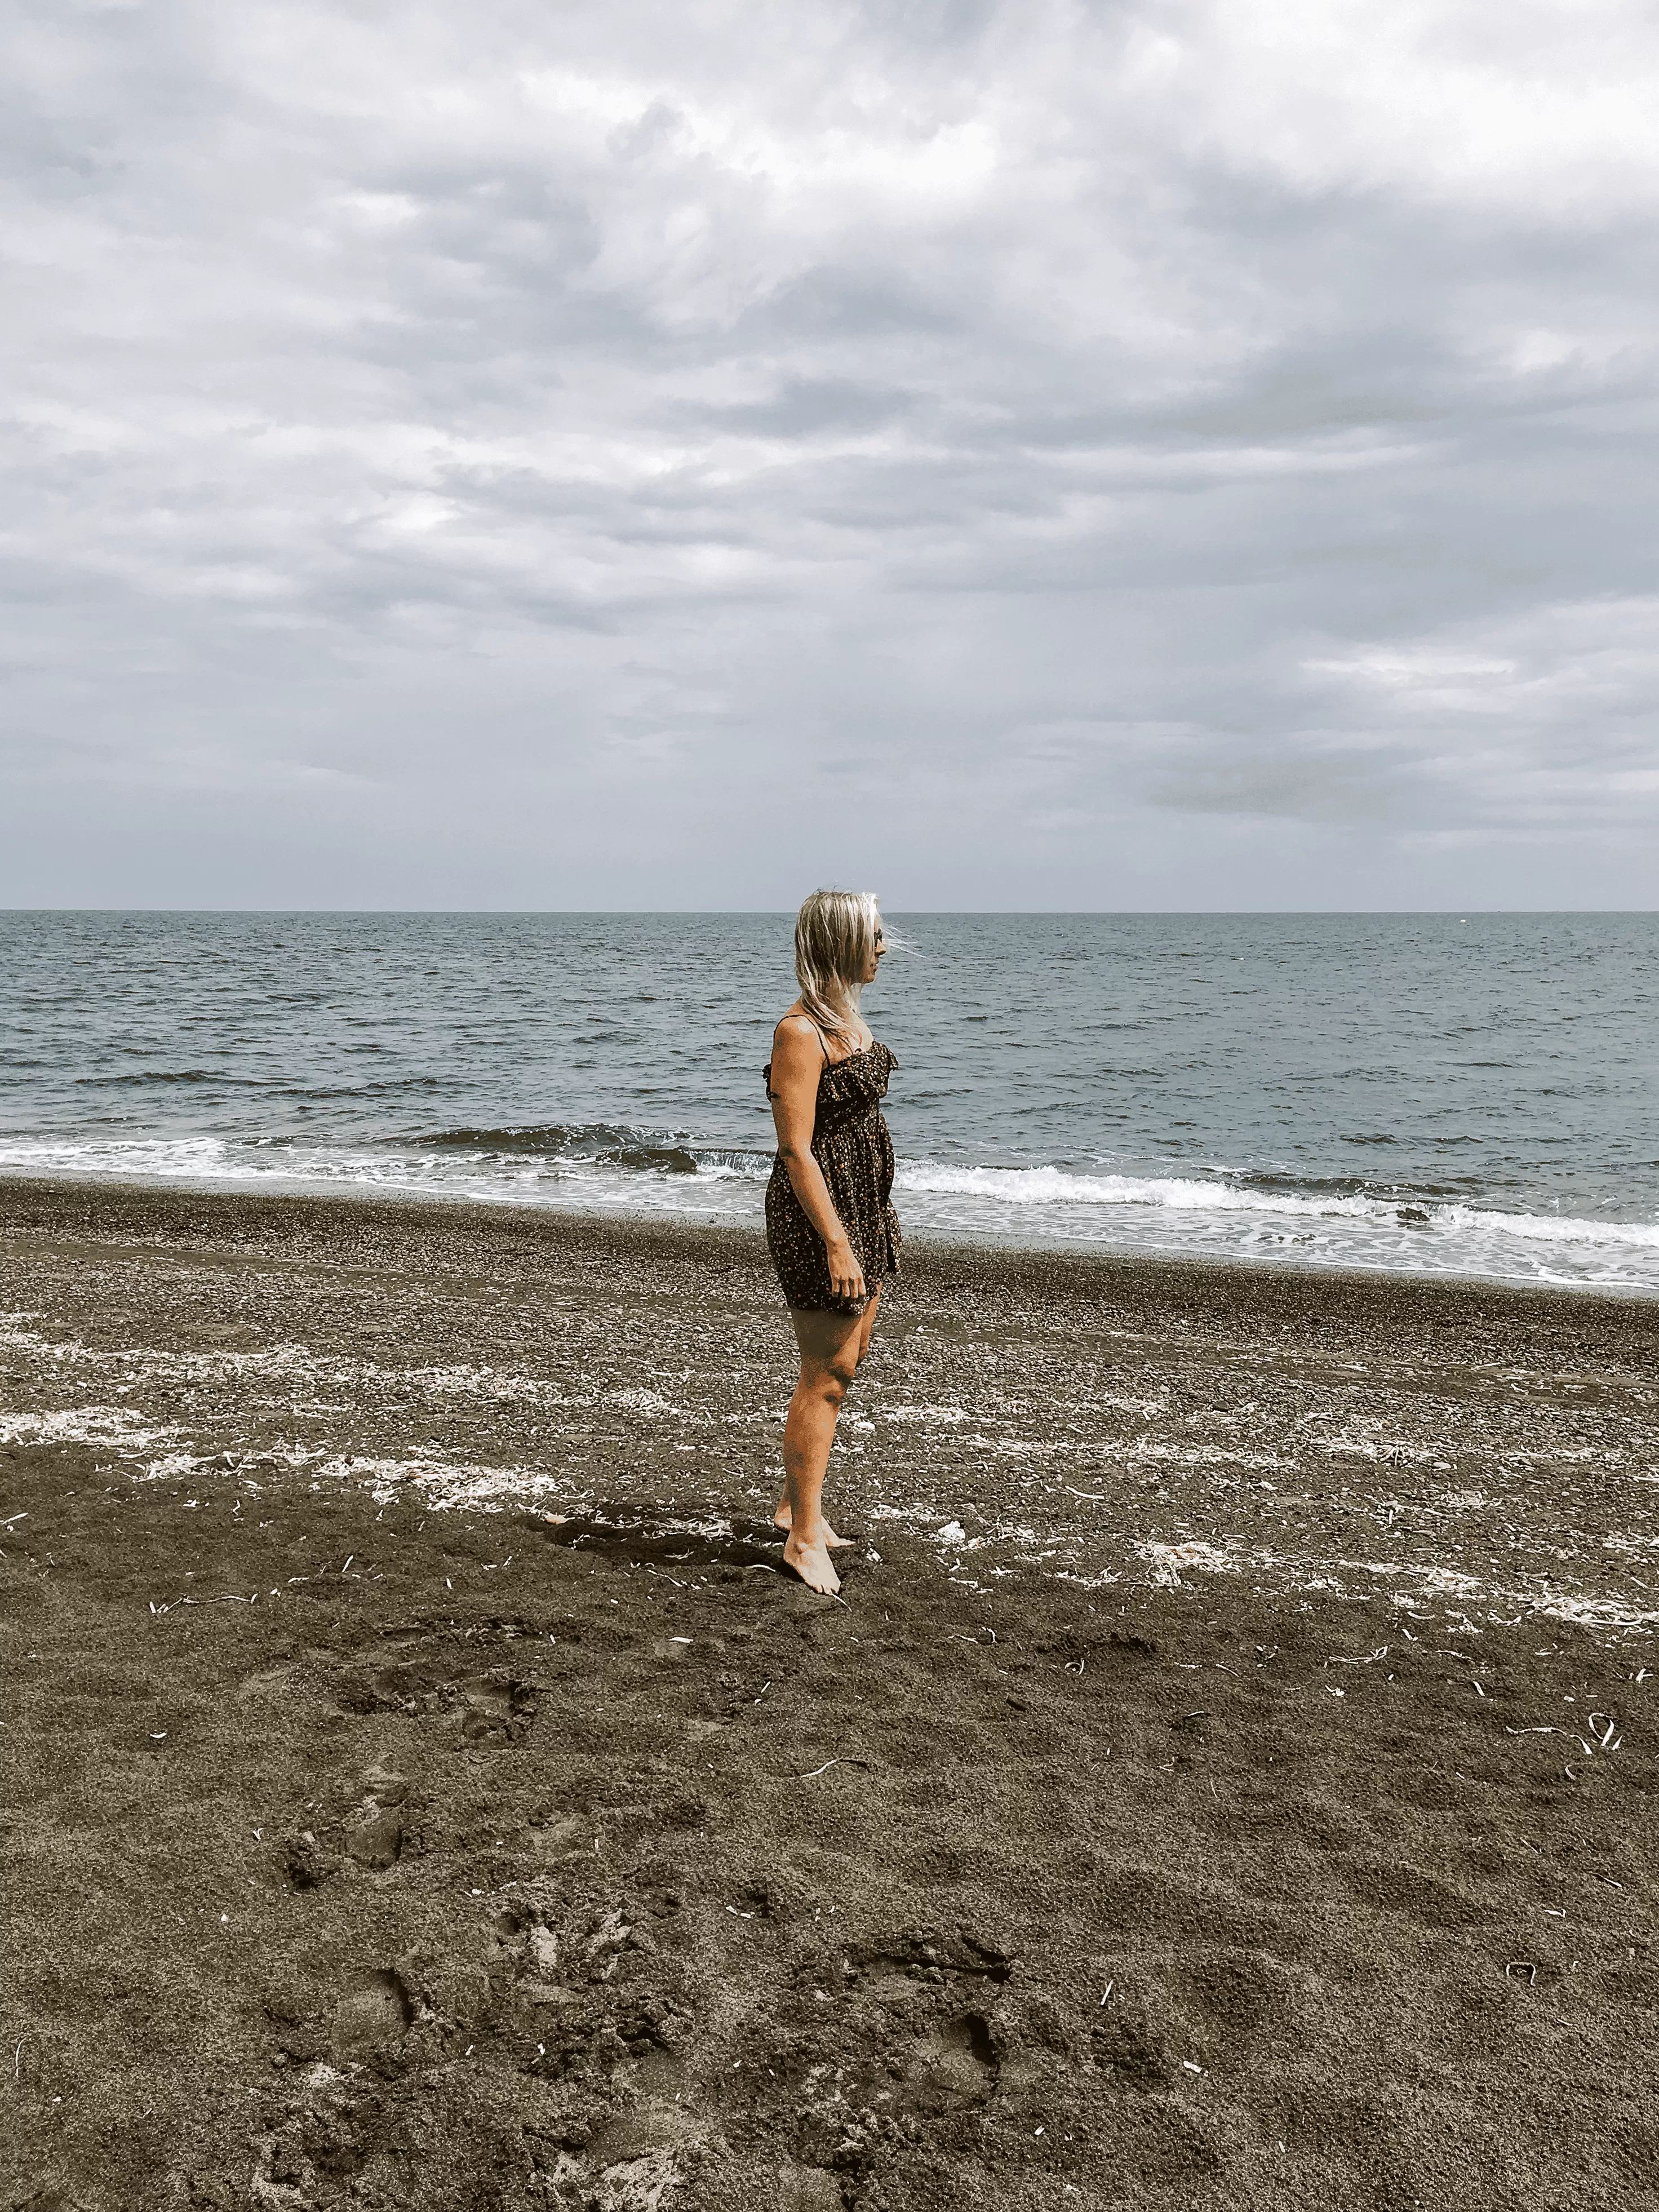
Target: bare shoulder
x,y
796,1035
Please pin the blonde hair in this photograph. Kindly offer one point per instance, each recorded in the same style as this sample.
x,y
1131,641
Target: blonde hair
x,y
834,939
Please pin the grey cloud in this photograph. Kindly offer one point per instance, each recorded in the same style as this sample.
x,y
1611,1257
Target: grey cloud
x,y
799,406
523,456
1300,787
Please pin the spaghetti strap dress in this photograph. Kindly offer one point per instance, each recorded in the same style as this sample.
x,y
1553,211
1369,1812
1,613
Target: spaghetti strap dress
x,y
852,1144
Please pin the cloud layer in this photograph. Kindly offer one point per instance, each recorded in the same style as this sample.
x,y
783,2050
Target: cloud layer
x,y
1043,454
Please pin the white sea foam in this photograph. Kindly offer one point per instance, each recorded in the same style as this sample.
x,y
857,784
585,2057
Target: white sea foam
x,y
1053,1186
1205,1215
1201,1215
1549,1227
1048,1186
718,1189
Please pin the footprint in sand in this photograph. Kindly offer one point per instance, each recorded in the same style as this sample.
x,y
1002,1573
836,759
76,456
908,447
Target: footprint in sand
x,y
376,1831
640,2157
496,1708
373,2014
495,1705
401,1688
954,2065
563,1837
306,1863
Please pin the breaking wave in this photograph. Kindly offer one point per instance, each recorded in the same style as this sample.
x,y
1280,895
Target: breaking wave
x,y
1054,1187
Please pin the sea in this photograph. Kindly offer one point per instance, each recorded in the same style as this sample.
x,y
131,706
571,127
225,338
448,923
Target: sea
x,y
1443,1094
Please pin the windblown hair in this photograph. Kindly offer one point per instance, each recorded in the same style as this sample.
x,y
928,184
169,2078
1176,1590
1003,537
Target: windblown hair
x,y
835,937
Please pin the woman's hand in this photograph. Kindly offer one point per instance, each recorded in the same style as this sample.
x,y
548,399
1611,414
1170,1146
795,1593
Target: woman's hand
x,y
846,1276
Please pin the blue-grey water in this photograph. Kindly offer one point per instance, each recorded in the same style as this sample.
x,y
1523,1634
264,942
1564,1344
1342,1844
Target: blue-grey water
x,y
1418,1093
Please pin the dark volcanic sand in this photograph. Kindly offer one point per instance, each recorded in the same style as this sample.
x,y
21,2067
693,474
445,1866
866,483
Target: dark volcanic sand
x,y
377,1839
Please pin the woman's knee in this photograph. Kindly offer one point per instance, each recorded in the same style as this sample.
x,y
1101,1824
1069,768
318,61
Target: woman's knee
x,y
829,1379
843,1369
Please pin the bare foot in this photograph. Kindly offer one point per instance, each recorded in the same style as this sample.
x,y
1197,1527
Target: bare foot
x,y
783,1518
811,1563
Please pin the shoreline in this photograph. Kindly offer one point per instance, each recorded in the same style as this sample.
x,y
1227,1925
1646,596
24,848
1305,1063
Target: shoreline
x,y
1225,1776
1072,1266
302,1191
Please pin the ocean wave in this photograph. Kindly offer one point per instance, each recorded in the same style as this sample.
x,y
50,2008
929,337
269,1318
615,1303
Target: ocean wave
x,y
1049,1186
601,1144
595,1142
1551,1228
162,1075
559,1137
732,1159
618,1174
1054,1187
605,1168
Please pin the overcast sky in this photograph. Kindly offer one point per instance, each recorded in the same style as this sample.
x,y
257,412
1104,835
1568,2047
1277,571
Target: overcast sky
x,y
1153,454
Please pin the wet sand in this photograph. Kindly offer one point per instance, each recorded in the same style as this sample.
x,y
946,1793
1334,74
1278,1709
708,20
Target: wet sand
x,y
1227,1782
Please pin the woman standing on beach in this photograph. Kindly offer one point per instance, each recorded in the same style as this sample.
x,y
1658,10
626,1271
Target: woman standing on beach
x,y
829,1221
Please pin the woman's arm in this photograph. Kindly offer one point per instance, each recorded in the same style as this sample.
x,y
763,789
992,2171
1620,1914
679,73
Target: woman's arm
x,y
797,1058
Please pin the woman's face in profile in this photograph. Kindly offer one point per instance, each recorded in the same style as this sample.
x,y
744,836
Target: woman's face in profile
x,y
878,952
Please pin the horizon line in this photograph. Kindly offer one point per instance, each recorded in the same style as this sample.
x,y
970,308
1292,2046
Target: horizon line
x,y
1023,912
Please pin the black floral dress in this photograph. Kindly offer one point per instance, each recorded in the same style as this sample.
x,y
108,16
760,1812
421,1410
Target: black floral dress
x,y
852,1144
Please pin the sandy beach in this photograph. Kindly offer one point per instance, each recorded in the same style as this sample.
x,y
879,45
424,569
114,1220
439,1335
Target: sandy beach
x,y
1226,1780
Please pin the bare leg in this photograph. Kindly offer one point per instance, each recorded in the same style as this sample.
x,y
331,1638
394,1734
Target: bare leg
x,y
830,1345
784,1517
